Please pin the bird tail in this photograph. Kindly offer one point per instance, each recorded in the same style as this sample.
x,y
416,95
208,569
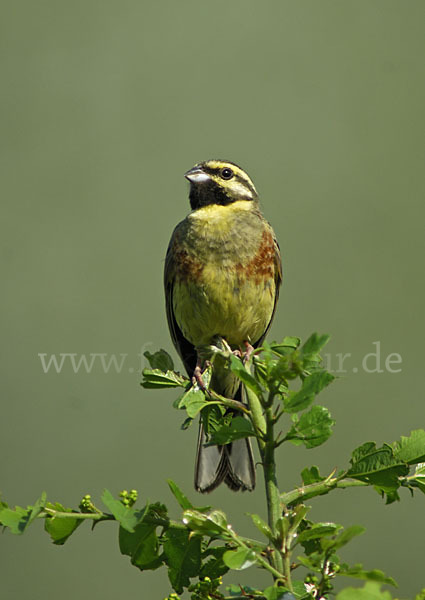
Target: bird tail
x,y
232,463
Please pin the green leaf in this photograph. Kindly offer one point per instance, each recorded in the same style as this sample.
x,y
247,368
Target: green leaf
x,y
368,461
160,360
261,372
312,429
238,368
193,401
261,526
278,593
238,428
418,477
313,562
282,526
183,500
16,520
287,367
311,386
318,530
299,590
178,495
314,343
127,516
60,529
411,450
213,566
298,515
142,546
311,475
291,341
213,417
343,538
155,378
358,572
379,467
285,347
213,523
370,591
311,534
195,405
19,519
310,357
273,373
240,559
183,557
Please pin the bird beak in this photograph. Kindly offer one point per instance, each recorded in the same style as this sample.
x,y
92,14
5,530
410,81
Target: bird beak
x,y
197,175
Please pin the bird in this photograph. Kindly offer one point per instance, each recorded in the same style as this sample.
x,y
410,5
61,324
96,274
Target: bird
x,y
222,276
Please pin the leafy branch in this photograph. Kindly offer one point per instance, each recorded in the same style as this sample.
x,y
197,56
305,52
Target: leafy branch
x,y
281,383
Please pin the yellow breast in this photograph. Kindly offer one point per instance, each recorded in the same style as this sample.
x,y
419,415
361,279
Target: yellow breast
x,y
225,274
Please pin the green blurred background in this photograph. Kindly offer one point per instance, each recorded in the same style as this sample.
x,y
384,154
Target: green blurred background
x,y
104,106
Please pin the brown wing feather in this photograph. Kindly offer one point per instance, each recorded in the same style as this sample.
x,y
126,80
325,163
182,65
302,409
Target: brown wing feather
x,y
184,348
278,281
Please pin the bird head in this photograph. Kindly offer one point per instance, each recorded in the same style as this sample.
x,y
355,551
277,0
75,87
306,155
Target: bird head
x,y
219,182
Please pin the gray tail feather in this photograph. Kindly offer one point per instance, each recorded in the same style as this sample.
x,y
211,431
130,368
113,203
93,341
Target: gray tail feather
x,y
232,463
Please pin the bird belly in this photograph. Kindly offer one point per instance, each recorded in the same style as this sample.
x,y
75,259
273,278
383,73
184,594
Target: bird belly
x,y
223,301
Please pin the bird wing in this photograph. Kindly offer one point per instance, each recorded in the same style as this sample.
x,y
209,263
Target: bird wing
x,y
185,349
278,274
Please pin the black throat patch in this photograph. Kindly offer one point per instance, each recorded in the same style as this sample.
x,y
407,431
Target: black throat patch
x,y
209,192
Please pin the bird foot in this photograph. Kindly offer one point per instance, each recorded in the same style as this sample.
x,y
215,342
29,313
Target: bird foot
x,y
249,349
197,376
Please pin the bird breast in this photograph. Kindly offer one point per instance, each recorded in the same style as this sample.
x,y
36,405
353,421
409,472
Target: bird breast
x,y
225,274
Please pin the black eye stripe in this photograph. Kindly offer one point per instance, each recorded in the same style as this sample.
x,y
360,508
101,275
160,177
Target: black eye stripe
x,y
237,177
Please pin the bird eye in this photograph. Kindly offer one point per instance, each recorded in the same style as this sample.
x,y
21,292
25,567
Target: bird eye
x,y
226,173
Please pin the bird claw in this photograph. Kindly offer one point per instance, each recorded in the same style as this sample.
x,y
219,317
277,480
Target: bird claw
x,y
249,349
197,376
244,356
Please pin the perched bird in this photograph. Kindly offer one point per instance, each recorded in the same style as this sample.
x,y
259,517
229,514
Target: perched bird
x,y
222,276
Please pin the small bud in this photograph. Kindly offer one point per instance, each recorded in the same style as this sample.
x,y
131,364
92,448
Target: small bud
x,y
86,504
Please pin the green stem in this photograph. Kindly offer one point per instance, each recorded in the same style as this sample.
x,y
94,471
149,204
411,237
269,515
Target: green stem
x,y
317,489
287,569
229,402
274,510
99,516
276,574
161,522
241,542
263,421
257,417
